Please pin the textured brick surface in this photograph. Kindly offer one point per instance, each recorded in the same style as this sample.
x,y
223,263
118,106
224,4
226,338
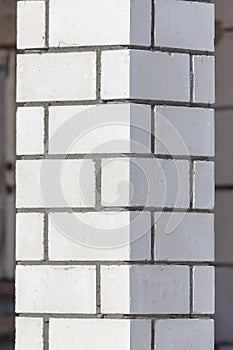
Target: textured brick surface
x,y
184,131
162,76
107,22
29,236
145,289
55,289
33,338
115,175
30,130
59,76
153,182
100,236
192,235
31,24
195,30
108,334
184,334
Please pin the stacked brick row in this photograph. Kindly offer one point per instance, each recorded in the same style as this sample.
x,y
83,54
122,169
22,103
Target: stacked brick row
x,y
115,175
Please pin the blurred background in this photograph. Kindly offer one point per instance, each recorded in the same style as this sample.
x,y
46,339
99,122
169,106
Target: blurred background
x,y
224,173
7,159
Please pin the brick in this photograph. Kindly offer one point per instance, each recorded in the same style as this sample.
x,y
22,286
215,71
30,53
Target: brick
x,y
112,128
29,236
56,76
162,76
184,131
203,185
203,290
184,24
184,334
30,24
100,236
145,182
30,130
55,289
105,334
115,22
145,289
204,82
29,333
184,237
55,183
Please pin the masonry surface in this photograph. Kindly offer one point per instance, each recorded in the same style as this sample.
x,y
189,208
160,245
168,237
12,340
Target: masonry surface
x,y
115,175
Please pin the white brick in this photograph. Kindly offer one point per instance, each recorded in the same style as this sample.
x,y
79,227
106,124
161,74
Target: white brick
x,y
100,236
184,237
56,289
93,22
204,185
112,128
29,236
184,334
184,24
55,183
204,82
30,130
203,289
145,75
29,333
145,182
30,24
145,289
87,334
56,76
184,131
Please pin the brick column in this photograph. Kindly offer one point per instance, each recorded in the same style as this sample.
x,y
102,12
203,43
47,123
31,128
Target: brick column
x,y
115,178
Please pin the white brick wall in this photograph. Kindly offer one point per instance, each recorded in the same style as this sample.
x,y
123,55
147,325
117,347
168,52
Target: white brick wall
x,y
115,175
